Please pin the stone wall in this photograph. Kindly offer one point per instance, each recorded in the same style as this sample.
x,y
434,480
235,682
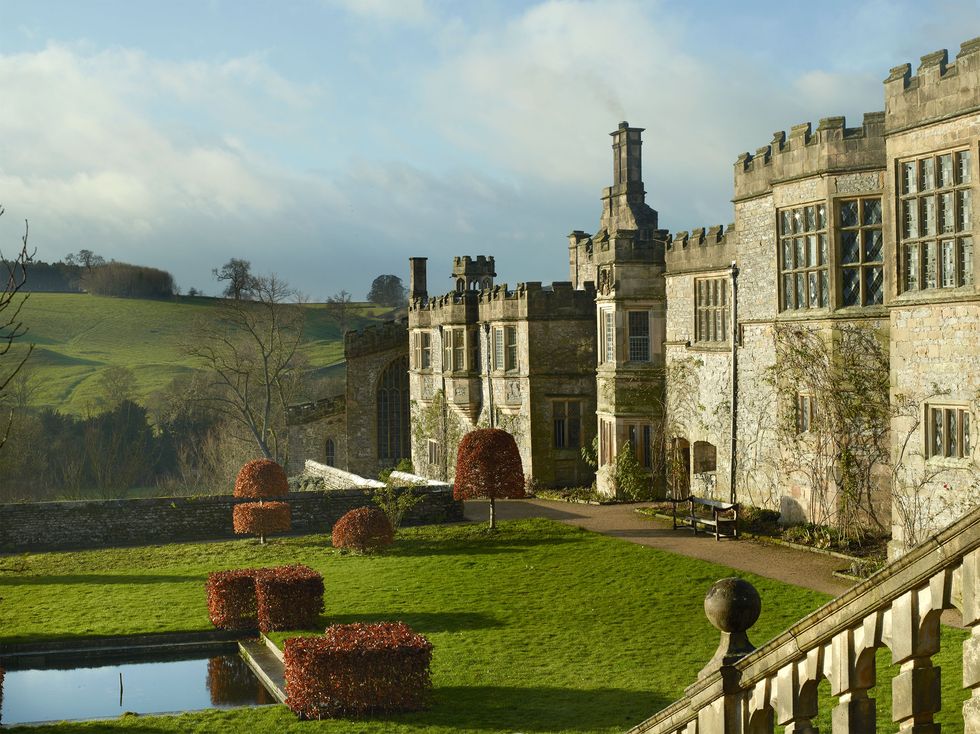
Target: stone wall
x,y
310,426
334,478
43,526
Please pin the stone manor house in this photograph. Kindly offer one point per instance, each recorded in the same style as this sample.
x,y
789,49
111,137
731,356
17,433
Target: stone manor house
x,y
673,344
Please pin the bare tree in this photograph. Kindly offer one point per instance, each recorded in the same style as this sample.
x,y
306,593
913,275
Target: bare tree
x,y
238,273
12,329
249,349
338,306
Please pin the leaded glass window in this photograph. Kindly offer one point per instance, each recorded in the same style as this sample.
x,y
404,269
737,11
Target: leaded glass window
x,y
861,252
394,439
711,310
948,432
936,205
803,257
639,336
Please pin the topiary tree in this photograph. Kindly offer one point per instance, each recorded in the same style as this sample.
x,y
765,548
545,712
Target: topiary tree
x,y
488,464
364,530
261,479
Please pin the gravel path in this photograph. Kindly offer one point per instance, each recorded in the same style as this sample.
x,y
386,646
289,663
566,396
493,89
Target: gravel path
x,y
800,568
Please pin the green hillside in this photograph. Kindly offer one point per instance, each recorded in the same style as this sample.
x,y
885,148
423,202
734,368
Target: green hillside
x,y
79,335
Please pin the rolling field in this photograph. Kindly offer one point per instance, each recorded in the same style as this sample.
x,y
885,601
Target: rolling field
x,y
77,336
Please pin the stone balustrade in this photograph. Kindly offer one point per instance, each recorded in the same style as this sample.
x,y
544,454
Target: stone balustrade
x,y
744,691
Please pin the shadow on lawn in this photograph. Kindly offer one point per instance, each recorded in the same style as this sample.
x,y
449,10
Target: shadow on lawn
x,y
527,709
96,579
488,544
420,621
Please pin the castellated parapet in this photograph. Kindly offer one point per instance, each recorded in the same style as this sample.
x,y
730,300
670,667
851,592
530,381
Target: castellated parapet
x,y
374,339
629,245
832,148
938,90
473,273
315,410
701,249
530,300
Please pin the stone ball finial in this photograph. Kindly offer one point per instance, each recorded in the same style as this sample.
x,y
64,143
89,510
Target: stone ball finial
x,y
732,605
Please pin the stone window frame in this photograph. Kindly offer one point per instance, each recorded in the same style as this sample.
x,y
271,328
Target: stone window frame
x,y
505,353
926,188
474,351
607,437
805,413
433,451
607,335
868,224
330,452
640,437
711,314
803,235
638,343
422,349
566,420
947,431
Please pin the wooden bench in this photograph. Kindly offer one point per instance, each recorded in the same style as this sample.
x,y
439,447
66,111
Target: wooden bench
x,y
723,519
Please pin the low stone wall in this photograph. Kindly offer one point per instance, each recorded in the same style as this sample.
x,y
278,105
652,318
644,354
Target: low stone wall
x,y
41,526
335,478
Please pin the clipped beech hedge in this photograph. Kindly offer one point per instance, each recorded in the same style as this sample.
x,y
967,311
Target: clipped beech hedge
x,y
261,479
357,670
279,598
261,518
231,599
289,597
365,530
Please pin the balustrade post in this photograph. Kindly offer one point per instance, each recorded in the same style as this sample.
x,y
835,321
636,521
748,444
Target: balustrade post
x,y
971,646
916,689
852,674
732,605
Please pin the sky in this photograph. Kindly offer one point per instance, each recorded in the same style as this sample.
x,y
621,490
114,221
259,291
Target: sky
x,y
328,141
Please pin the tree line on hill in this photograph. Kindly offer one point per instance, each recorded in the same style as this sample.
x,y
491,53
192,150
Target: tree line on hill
x,y
85,271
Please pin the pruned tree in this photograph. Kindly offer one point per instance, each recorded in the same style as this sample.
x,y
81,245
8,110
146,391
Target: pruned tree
x,y
238,273
12,328
263,480
249,350
388,290
488,464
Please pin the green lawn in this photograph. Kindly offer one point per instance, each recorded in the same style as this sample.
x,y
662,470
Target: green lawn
x,y
538,628
78,335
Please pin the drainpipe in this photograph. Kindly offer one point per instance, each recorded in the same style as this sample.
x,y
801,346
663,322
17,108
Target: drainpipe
x,y
734,376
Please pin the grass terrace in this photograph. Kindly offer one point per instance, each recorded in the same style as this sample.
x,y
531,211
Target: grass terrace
x,y
537,628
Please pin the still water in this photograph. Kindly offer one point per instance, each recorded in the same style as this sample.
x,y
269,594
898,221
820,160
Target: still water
x,y
147,687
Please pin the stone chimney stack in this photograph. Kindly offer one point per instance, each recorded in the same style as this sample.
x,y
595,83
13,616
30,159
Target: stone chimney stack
x,y
416,278
627,166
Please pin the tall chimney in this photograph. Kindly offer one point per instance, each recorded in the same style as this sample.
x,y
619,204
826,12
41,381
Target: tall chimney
x,y
416,278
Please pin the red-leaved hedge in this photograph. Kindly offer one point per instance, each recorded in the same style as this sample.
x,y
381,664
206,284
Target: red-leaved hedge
x,y
289,597
231,599
365,530
488,464
279,598
261,479
261,518
358,669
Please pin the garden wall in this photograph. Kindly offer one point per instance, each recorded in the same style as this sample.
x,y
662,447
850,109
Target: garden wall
x,y
99,523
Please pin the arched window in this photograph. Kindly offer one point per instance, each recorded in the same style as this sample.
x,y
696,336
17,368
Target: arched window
x,y
331,453
394,439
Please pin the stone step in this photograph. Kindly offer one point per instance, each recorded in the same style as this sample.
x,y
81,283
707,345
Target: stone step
x,y
266,665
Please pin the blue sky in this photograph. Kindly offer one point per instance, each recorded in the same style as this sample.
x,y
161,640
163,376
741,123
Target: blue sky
x,y
329,140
